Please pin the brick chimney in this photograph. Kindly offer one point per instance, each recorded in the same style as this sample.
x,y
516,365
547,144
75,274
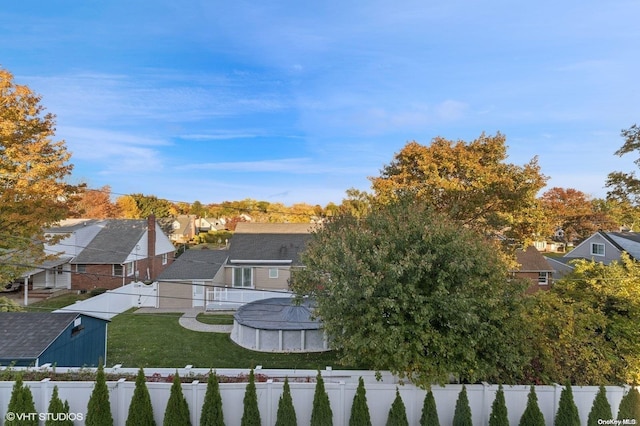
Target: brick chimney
x,y
151,244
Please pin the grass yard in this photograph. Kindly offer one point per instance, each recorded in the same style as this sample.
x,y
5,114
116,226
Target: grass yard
x,y
48,305
222,319
158,340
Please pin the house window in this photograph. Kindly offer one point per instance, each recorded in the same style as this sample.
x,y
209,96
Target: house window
x,y
597,249
243,277
273,272
165,258
59,270
81,268
117,270
129,267
543,278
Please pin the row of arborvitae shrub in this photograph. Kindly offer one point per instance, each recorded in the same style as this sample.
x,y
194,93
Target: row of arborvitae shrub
x,y
177,410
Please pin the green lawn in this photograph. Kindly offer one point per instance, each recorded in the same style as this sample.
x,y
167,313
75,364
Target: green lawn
x,y
48,305
158,340
222,319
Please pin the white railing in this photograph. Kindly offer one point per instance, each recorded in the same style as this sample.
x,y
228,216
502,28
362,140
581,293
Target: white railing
x,y
233,298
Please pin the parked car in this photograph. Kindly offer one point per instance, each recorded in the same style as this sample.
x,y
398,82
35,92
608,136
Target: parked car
x,y
11,287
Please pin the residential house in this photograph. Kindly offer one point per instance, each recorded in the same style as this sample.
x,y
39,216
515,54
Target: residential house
x,y
534,267
256,265
67,339
181,229
261,255
103,254
184,283
602,246
206,224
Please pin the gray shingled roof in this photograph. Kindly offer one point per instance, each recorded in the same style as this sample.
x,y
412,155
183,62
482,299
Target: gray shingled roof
x,y
195,264
271,247
113,244
626,241
278,313
26,335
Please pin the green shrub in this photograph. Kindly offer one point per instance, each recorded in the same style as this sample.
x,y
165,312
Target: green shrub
x,y
567,414
286,412
429,415
58,410
601,409
212,408
140,409
462,415
499,415
251,413
321,414
21,402
397,413
177,411
359,409
532,415
630,406
99,408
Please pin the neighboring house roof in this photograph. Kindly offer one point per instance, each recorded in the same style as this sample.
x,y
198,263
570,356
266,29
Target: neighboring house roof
x,y
271,248
274,228
26,335
114,243
195,264
531,260
561,266
628,242
625,241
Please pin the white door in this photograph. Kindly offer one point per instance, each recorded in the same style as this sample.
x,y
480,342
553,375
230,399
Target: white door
x,y
198,294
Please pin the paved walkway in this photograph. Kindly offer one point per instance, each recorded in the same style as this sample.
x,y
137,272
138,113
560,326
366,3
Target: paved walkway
x,y
188,320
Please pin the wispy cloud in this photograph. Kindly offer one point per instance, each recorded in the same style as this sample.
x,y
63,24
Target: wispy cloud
x,y
283,165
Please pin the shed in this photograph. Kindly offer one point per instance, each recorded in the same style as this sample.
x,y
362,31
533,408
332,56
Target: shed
x,y
68,339
278,324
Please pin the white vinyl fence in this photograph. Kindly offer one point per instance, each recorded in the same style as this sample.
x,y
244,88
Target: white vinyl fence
x,y
113,302
340,386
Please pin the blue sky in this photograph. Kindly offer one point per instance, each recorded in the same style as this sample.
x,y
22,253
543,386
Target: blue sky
x,y
289,101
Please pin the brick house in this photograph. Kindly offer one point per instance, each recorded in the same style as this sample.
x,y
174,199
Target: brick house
x,y
103,254
534,267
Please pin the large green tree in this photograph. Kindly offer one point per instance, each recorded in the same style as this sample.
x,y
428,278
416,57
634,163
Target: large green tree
x,y
470,182
625,187
34,171
405,289
584,330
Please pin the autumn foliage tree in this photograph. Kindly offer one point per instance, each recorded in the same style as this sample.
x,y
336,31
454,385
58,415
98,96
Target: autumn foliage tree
x,y
34,191
574,212
97,204
470,182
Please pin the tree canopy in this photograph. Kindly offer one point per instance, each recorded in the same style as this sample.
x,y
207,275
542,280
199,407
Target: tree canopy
x,y
585,328
405,289
470,182
34,191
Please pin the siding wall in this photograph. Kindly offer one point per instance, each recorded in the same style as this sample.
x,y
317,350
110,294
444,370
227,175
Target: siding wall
x,y
175,295
84,348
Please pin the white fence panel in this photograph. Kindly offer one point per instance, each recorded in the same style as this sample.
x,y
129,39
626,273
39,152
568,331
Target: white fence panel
x,y
379,396
113,302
